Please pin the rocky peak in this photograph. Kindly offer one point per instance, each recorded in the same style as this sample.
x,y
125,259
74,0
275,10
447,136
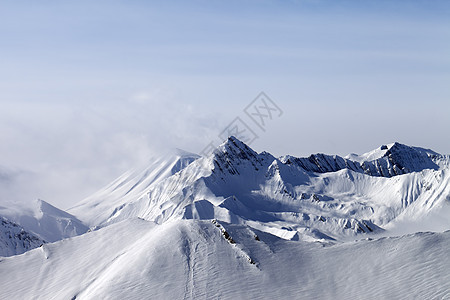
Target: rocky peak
x,y
232,154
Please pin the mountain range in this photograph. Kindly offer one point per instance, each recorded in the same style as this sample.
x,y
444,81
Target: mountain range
x,y
242,224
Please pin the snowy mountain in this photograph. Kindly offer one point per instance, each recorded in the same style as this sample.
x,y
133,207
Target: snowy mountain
x,y
44,220
238,224
317,198
192,259
387,161
15,240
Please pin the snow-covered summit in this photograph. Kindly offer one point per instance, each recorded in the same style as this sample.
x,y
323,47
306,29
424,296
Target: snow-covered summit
x,y
386,150
371,155
321,197
45,220
233,156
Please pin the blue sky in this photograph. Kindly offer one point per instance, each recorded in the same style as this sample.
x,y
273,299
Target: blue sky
x,y
90,88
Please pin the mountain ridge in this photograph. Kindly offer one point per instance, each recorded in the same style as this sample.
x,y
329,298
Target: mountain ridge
x,y
288,196
387,161
238,224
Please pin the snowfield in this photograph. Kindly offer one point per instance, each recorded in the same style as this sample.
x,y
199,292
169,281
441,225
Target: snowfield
x,y
190,259
244,225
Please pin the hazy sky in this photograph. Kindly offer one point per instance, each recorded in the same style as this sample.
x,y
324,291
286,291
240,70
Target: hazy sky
x,y
89,89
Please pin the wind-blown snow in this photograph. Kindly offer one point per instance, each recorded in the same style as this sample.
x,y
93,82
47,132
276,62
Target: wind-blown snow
x,y
130,186
190,259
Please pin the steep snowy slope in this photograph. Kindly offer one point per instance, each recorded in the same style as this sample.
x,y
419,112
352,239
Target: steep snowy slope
x,y
291,199
129,187
191,259
45,221
15,240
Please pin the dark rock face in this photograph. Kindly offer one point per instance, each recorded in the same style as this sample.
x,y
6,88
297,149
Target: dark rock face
x,y
322,163
399,159
234,153
15,240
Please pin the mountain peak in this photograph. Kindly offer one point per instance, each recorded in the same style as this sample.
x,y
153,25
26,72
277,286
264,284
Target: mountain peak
x,y
233,155
395,148
372,155
398,147
234,146
48,209
410,159
232,141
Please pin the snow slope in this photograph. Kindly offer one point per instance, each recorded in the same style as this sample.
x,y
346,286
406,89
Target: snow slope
x,y
44,220
191,259
130,186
